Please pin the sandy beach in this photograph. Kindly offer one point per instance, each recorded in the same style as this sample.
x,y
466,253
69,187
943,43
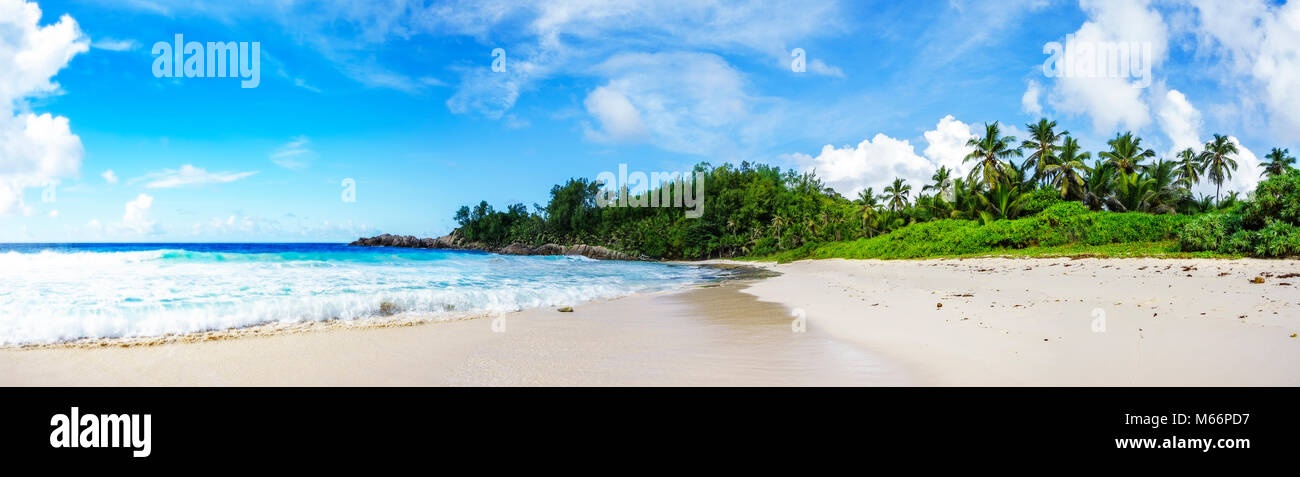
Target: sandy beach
x,y
713,336
1037,322
988,321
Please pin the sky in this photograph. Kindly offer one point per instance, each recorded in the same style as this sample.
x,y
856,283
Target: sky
x,y
387,116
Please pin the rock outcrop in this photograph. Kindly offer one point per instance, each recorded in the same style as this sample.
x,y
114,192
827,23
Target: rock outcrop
x,y
454,241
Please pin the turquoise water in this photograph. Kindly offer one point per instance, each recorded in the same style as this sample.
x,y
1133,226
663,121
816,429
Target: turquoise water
x,y
62,292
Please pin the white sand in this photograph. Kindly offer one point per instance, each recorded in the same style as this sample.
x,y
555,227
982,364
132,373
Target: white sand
x,y
1030,321
1027,322
701,337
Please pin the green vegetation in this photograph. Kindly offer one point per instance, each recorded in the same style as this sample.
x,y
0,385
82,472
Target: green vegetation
x,y
1126,202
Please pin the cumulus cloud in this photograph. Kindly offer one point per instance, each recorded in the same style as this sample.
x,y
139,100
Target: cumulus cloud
x,y
189,175
1259,53
1111,101
35,149
1180,121
1029,101
109,176
137,219
948,144
877,161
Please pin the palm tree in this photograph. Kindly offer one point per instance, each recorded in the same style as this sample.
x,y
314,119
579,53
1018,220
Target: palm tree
x,y
1278,162
868,209
1042,142
1166,186
1218,161
942,183
1100,182
896,194
779,222
989,152
1003,200
1126,152
1065,172
1189,167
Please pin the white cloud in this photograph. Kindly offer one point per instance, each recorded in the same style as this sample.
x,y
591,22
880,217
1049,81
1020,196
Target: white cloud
x,y
619,120
873,162
1112,102
817,66
189,175
136,219
34,149
294,154
948,145
1259,55
877,161
567,37
1180,121
54,214
685,102
109,176
112,44
1029,102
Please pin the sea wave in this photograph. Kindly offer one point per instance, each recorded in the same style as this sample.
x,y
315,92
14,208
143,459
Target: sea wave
x,y
51,296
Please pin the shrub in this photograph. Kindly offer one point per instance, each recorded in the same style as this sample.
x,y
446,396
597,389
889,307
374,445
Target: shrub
x,y
1205,233
1277,198
1039,200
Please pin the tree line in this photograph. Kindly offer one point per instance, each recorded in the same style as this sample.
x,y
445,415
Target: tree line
x,y
755,209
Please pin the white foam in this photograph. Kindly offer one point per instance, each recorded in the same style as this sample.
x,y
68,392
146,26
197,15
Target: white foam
x,y
48,296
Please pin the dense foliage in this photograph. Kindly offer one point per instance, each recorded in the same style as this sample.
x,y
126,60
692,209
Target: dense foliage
x,y
1051,198
1268,226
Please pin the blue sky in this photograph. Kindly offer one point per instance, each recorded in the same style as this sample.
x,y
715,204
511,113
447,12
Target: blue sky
x,y
401,98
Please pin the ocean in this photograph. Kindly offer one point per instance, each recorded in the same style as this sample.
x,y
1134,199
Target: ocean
x,y
51,293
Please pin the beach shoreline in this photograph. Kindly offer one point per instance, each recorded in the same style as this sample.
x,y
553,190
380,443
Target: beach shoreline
x,y
945,322
706,335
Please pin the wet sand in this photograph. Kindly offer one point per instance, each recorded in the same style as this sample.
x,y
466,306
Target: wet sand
x,y
715,336
986,321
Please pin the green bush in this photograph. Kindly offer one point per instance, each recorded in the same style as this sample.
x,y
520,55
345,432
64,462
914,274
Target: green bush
x,y
1039,200
1275,199
1060,224
1207,232
1263,227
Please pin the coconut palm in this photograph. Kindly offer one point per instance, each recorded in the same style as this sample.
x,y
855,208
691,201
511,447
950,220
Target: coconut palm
x,y
1126,153
1218,162
1042,141
779,222
1167,187
868,209
1066,172
1278,162
942,185
1189,167
1100,182
1002,200
989,152
896,194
